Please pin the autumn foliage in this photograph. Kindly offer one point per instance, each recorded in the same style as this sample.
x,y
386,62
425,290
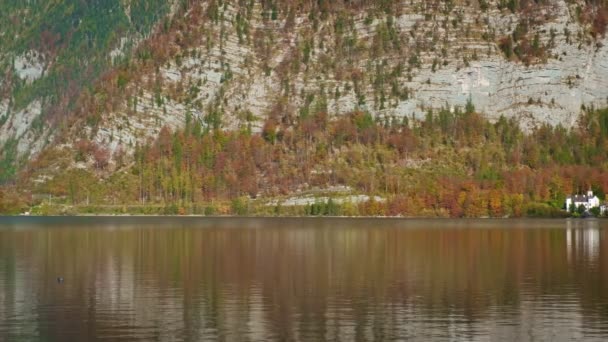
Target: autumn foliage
x,y
454,164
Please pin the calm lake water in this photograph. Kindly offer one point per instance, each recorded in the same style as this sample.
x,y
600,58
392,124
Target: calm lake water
x,y
197,279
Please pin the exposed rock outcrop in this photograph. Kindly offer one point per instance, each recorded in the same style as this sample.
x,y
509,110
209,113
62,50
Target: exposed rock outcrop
x,y
247,65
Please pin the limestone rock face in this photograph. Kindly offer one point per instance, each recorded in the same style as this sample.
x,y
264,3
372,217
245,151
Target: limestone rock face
x,y
245,65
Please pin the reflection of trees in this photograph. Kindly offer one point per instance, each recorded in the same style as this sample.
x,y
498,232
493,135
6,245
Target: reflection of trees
x,y
334,279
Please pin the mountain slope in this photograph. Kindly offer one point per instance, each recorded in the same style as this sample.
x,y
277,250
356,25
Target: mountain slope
x,y
51,51
234,64
95,102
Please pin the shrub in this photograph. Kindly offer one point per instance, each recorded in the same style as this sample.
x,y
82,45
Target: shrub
x,y
536,209
239,206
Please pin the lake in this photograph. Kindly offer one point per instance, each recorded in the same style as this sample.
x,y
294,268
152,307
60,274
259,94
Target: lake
x,y
196,279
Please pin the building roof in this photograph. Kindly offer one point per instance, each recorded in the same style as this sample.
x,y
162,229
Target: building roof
x,y
580,198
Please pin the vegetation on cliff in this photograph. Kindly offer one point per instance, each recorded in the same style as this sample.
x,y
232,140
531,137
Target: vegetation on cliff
x,y
336,108
454,163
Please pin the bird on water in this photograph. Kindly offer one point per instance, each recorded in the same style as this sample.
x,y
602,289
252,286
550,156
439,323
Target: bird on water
x,y
60,280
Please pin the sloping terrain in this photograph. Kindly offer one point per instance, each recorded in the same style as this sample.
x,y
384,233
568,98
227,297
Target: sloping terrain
x,y
170,93
236,64
53,51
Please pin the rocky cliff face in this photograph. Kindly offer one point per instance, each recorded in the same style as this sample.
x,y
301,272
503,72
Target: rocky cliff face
x,y
237,64
50,53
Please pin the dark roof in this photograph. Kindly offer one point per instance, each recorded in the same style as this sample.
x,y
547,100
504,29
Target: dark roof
x,y
580,198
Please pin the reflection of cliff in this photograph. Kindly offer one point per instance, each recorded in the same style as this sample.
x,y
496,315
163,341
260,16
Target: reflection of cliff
x,y
332,279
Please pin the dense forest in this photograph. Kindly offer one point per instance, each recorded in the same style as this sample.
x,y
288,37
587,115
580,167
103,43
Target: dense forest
x,y
452,164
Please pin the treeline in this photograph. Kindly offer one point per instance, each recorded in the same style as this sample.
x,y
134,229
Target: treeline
x,y
453,163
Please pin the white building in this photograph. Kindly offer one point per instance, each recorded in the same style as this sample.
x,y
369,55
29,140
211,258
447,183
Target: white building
x,y
588,201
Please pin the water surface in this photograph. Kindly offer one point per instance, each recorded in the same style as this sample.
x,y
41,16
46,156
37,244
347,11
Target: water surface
x,y
198,279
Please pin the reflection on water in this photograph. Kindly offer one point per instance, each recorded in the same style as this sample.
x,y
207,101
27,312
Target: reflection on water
x,y
261,279
584,238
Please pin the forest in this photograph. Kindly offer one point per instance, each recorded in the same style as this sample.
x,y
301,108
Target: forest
x,y
454,163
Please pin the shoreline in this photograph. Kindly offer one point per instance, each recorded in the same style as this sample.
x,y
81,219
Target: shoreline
x,y
288,223
299,217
